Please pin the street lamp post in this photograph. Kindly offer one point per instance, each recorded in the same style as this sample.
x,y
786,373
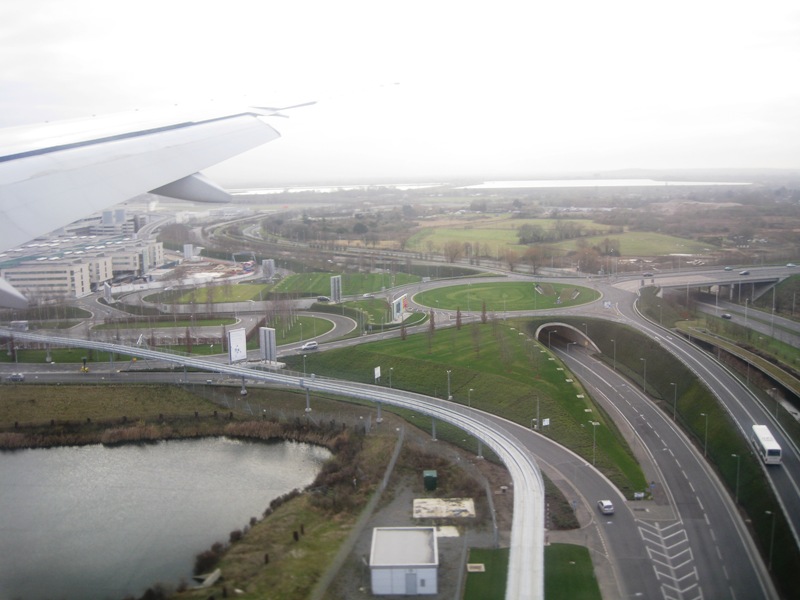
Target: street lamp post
x,y
569,344
644,380
391,369
594,440
674,401
301,330
469,397
705,435
615,353
304,364
585,329
449,397
771,537
738,463
777,404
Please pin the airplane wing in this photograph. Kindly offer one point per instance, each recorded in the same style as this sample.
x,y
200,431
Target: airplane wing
x,y
56,173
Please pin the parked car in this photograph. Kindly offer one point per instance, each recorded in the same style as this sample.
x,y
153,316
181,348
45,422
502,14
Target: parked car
x,y
15,377
744,272
309,346
605,507
323,299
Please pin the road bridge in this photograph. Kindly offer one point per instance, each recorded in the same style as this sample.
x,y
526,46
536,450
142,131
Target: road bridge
x,y
525,580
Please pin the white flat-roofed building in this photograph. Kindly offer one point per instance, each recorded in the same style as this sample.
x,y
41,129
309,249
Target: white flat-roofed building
x,y
100,269
404,560
51,279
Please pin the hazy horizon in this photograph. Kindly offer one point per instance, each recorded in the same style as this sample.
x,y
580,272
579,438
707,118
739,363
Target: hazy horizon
x,y
425,91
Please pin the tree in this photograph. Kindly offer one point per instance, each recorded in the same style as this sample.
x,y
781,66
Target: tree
x,y
534,256
360,228
512,258
453,250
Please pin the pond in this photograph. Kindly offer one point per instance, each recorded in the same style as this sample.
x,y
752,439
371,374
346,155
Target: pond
x,y
93,522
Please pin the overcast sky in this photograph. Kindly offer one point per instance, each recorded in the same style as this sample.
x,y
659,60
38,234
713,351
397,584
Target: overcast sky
x,y
421,90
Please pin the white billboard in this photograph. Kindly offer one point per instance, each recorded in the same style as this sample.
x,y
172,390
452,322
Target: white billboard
x,y
237,345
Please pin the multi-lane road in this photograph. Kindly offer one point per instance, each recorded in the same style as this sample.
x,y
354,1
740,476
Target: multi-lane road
x,y
691,544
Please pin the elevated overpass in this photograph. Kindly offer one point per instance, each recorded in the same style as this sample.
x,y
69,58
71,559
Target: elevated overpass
x,y
735,285
525,580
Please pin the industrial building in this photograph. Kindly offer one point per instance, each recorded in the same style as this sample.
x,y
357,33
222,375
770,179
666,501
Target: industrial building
x,y
404,560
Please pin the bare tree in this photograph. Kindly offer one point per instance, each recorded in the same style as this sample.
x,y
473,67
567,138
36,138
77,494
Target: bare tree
x,y
453,250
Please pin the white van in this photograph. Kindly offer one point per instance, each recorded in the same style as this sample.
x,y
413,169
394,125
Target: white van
x,y
309,346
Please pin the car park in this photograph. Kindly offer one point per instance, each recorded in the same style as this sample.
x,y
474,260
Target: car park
x,y
605,507
309,346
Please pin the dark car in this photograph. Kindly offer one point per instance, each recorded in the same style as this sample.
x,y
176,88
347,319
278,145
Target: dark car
x,y
727,316
744,272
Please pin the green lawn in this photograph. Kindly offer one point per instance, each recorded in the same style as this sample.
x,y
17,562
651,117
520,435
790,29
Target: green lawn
x,y
569,574
502,297
509,375
319,284
226,292
491,583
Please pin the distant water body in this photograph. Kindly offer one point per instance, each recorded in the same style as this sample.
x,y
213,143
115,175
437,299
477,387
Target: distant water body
x,y
590,183
97,523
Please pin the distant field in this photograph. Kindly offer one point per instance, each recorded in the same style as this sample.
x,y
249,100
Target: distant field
x,y
495,234
494,231
641,243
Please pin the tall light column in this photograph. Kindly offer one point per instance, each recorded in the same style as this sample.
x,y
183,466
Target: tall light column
x,y
771,537
644,381
674,401
449,396
615,353
594,440
705,436
738,463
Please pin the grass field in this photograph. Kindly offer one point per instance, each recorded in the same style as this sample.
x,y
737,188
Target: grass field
x,y
319,284
502,297
569,574
492,232
642,243
495,367
495,234
241,292
491,583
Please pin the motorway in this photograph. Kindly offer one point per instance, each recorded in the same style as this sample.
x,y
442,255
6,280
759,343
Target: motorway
x,y
693,543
